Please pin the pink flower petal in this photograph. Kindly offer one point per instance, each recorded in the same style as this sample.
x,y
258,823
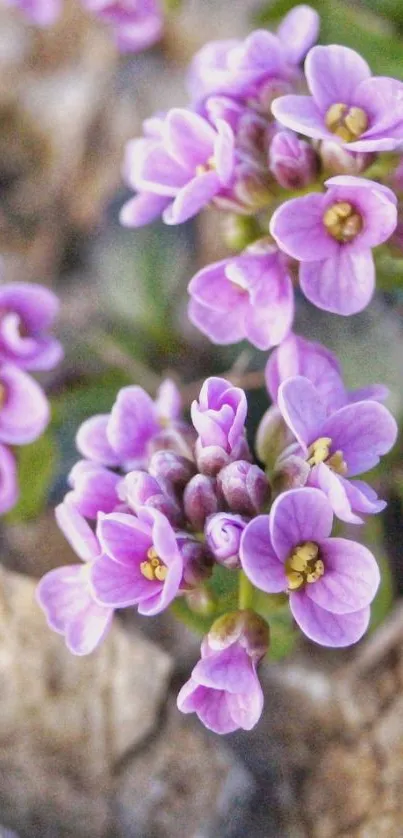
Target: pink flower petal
x,y
334,630
343,284
333,74
302,409
259,560
297,516
298,228
351,578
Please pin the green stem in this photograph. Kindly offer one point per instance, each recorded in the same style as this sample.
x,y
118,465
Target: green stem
x,y
245,592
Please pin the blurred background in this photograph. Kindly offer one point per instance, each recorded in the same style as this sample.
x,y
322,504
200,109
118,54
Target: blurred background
x,y
95,747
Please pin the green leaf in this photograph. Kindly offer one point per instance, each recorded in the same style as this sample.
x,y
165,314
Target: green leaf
x,y
383,602
223,586
363,29
36,468
283,634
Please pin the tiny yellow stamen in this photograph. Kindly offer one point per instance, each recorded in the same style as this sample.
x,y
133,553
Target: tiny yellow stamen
x,y
319,452
337,463
202,168
316,573
153,568
303,566
346,123
342,221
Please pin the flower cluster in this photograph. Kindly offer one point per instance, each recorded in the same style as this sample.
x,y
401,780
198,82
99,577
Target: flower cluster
x,y
158,502
27,311
238,146
136,24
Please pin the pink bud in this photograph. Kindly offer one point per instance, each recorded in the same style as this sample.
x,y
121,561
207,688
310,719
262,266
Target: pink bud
x,y
200,500
244,487
293,162
337,160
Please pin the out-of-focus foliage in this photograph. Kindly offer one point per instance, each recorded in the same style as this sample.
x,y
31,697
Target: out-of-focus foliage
x,y
223,588
36,468
370,27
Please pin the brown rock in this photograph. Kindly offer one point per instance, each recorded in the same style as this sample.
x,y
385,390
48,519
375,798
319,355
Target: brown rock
x,y
185,784
342,785
66,721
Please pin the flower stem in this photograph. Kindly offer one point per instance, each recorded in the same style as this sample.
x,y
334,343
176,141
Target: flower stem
x,y
245,592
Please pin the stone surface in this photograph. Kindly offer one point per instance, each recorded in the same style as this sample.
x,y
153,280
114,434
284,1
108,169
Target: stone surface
x,y
339,731
55,183
185,784
66,722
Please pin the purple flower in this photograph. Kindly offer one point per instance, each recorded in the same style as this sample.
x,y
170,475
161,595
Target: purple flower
x,y
123,437
8,480
200,500
24,408
251,186
338,160
244,486
348,442
242,68
223,536
332,236
293,162
181,164
331,581
346,103
141,489
219,418
94,489
41,12
172,468
65,594
247,296
137,24
27,311
142,564
298,356
224,688
197,566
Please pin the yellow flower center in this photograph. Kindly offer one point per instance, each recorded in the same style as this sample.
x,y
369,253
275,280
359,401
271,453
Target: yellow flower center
x,y
342,221
345,122
153,568
304,566
202,168
319,452
3,395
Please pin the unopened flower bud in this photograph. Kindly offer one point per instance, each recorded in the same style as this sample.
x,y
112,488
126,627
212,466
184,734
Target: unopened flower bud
x,y
252,188
245,627
201,601
223,535
170,466
141,489
244,487
293,162
179,438
213,458
272,436
200,500
197,562
337,160
290,472
267,93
